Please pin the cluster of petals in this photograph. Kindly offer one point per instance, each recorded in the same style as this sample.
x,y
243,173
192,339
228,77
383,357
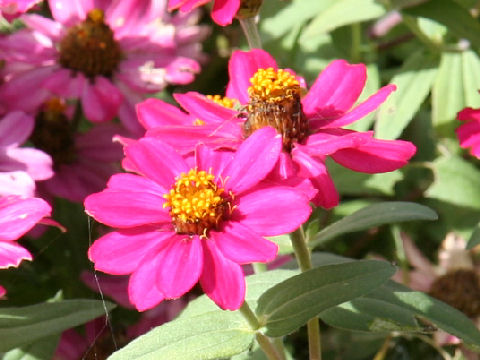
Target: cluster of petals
x,y
223,11
11,9
156,49
328,106
164,264
469,132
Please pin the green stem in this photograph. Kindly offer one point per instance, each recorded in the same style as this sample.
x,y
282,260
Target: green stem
x,y
259,268
411,23
250,29
265,344
302,253
380,355
356,42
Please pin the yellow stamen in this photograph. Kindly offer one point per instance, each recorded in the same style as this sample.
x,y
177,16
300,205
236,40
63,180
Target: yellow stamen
x,y
198,122
224,101
273,85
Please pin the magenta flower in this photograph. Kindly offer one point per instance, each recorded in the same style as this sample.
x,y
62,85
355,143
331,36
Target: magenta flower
x,y
21,163
195,220
17,216
469,132
310,125
11,9
223,11
108,55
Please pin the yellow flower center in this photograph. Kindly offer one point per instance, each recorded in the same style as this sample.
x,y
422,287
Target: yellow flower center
x,y
53,133
196,203
90,47
275,101
224,101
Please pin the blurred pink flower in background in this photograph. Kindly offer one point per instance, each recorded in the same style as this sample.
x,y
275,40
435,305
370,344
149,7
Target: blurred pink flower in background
x,y
11,9
108,56
168,249
469,132
223,11
311,125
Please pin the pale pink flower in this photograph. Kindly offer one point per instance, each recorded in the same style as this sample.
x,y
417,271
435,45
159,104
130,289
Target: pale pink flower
x,y
106,54
11,9
223,11
469,132
168,248
311,125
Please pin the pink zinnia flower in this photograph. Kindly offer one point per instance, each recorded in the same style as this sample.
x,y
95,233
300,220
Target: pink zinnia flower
x,y
469,132
22,163
11,9
107,56
195,220
223,11
311,125
17,216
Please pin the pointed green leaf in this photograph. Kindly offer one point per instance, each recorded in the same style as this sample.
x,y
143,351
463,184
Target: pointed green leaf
x,y
394,307
24,325
413,86
455,181
42,349
447,94
342,12
374,215
290,304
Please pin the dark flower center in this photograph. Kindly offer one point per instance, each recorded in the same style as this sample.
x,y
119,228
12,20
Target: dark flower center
x,y
53,134
459,289
196,203
275,101
90,47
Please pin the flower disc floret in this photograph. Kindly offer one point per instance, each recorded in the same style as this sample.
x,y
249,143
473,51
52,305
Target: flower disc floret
x,y
196,203
275,100
90,47
223,101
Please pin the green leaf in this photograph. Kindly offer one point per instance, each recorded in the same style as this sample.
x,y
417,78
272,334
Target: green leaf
x,y
342,12
375,215
413,86
24,325
42,349
394,307
211,335
447,12
471,78
455,181
290,304
474,238
447,94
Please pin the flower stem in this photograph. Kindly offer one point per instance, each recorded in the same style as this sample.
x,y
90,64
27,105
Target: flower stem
x,y
380,355
302,254
265,344
259,268
250,29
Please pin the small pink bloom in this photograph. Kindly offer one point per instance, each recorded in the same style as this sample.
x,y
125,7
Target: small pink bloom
x,y
167,248
133,48
469,132
312,125
223,11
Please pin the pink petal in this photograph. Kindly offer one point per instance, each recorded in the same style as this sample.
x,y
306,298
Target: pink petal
x,y
180,265
101,101
128,182
35,162
142,287
120,253
17,216
254,159
200,107
15,128
335,90
469,114
16,183
207,159
12,254
222,279
240,244
224,11
113,286
154,112
124,209
156,160
366,107
69,12
376,156
316,171
273,210
43,25
241,67
62,83
3,291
